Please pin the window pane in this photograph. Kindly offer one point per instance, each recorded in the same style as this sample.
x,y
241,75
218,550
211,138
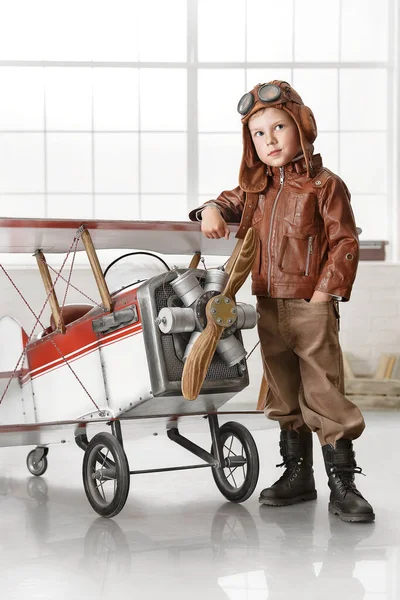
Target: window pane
x,y
115,99
121,207
224,150
262,75
327,144
22,206
163,31
202,198
319,90
163,162
221,34
17,85
67,29
69,162
68,98
219,92
116,162
114,30
170,113
70,206
22,29
316,30
267,39
364,30
22,162
363,99
371,213
364,171
164,208
89,30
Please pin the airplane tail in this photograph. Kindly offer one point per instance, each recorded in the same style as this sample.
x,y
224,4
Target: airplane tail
x,y
13,339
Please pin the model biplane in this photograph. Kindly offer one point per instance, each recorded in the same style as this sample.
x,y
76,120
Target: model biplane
x,y
167,346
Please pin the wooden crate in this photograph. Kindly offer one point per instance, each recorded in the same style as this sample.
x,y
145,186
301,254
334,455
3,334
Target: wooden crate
x,y
380,392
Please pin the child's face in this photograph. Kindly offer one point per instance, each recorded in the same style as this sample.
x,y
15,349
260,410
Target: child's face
x,y
275,137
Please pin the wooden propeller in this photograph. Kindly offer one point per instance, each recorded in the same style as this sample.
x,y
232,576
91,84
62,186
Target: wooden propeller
x,y
200,356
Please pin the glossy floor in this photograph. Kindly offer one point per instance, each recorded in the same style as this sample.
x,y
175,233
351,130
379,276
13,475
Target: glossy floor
x,y
178,538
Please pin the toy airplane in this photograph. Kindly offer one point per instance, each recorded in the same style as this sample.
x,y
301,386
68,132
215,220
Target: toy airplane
x,y
143,352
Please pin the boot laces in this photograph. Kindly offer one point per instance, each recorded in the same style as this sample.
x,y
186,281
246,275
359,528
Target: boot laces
x,y
345,476
292,466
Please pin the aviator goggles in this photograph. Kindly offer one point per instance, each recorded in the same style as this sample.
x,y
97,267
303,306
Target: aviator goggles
x,y
268,92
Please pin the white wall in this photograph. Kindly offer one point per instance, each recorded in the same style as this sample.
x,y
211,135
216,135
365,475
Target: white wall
x,y
371,320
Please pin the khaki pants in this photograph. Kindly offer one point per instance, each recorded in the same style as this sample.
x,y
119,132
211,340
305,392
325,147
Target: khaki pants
x,y
304,368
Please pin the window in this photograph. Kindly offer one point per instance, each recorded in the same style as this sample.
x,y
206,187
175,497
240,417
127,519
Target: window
x,y
128,110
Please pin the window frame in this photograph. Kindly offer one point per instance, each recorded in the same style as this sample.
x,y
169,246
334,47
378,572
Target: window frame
x,y
192,67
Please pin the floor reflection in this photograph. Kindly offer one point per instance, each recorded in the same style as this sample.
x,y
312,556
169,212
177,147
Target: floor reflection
x,y
342,556
110,553
177,538
318,572
107,559
233,529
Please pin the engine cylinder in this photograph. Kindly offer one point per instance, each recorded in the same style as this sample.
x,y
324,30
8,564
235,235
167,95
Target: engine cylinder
x,y
246,316
187,287
192,340
215,280
176,320
231,350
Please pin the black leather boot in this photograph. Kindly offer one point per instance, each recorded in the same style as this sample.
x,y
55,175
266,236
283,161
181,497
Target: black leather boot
x,y
297,482
345,499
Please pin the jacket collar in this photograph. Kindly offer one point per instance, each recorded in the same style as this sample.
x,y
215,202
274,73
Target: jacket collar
x,y
297,166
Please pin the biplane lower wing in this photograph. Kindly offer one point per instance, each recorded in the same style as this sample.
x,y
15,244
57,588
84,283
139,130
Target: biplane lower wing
x,y
165,237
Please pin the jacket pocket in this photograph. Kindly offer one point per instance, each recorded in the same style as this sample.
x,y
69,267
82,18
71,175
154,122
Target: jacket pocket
x,y
300,209
295,254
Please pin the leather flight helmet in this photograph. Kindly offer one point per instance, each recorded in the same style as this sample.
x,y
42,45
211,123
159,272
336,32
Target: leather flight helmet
x,y
276,94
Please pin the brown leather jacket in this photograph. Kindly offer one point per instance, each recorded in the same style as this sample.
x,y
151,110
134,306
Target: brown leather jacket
x,y
307,234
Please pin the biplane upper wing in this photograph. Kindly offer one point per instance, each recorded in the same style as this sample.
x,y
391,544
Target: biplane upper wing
x,y
165,237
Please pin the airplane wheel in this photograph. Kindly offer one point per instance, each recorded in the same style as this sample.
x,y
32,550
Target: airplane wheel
x,y
36,467
237,482
105,474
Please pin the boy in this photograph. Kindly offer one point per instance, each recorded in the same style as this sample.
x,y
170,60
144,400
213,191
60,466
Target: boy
x,y
307,261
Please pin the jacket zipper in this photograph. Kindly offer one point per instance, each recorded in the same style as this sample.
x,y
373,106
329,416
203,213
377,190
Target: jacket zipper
x,y
310,251
281,179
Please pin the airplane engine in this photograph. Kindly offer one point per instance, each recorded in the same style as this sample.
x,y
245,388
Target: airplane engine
x,y
173,309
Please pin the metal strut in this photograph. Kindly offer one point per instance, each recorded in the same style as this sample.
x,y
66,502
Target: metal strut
x,y
214,461
179,439
117,431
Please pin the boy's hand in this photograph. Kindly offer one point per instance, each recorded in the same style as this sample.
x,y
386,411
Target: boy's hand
x,y
213,225
320,297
